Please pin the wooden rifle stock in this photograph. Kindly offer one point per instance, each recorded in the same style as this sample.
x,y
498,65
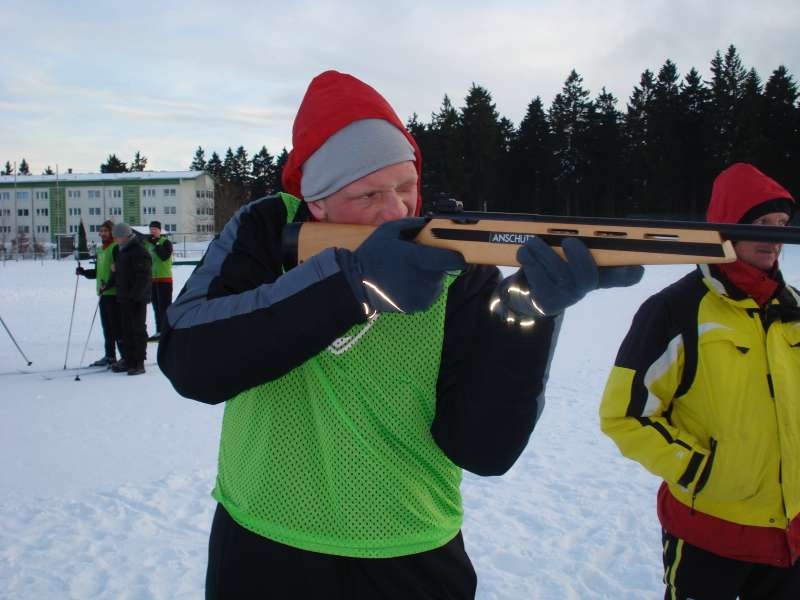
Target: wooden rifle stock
x,y
493,238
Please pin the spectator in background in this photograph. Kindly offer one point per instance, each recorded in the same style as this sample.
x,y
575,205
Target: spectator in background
x,y
133,278
705,393
160,249
109,307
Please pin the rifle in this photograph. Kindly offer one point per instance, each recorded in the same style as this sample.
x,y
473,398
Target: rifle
x,y
493,238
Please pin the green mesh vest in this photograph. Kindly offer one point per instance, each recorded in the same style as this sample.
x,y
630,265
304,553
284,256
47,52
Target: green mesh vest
x,y
104,258
337,456
162,269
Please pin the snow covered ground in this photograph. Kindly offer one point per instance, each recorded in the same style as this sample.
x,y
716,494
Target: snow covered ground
x,y
105,481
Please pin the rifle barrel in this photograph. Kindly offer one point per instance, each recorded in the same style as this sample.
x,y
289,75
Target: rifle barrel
x,y
733,232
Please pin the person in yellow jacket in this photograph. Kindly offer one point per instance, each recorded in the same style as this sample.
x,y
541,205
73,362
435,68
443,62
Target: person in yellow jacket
x,y
705,393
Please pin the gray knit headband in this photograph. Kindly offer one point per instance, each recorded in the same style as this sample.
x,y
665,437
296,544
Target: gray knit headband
x,y
360,148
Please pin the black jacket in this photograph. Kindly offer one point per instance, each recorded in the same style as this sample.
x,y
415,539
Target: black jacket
x,y
133,272
240,321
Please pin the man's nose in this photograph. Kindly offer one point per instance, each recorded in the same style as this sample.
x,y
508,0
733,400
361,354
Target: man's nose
x,y
393,206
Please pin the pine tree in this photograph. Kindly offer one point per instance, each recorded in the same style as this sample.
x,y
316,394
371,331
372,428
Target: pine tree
x,y
113,165
482,147
242,168
276,183
605,148
695,132
421,134
232,187
199,160
444,153
749,140
637,139
229,166
262,176
48,171
533,168
214,167
781,128
139,163
664,151
8,169
24,169
727,90
570,115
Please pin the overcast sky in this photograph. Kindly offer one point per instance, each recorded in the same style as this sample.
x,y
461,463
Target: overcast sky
x,y
80,80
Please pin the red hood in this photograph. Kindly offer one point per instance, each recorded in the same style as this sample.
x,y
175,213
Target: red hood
x,y
333,101
739,188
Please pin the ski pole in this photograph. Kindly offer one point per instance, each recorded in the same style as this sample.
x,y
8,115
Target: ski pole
x,y
15,341
74,298
91,326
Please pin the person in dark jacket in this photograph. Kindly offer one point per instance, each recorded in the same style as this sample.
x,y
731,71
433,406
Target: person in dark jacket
x,y
108,305
705,393
160,248
133,280
360,383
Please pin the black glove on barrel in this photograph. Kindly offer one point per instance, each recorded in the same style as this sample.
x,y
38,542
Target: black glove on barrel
x,y
391,273
79,271
546,284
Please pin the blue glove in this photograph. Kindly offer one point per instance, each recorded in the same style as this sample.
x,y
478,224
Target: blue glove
x,y
546,284
390,273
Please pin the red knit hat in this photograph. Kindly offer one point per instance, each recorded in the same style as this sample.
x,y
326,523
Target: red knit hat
x,y
333,101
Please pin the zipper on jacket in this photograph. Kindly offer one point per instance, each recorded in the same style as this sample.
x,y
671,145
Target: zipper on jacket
x,y
703,479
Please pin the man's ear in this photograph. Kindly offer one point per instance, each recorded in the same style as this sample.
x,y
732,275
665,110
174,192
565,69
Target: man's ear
x,y
317,209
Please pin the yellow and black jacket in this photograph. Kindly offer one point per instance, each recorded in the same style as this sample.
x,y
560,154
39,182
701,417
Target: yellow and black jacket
x,y
705,393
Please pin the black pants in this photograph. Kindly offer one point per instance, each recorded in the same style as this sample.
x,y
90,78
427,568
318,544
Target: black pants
x,y
112,327
134,331
690,572
244,565
161,298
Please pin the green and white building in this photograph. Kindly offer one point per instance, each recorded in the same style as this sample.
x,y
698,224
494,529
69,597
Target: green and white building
x,y
38,208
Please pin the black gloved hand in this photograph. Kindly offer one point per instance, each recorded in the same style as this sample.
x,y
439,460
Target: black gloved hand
x,y
391,273
80,270
546,284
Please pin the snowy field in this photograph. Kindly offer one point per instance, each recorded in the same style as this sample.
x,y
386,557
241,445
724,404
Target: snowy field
x,y
105,482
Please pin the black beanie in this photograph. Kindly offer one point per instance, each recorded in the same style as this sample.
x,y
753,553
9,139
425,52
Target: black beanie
x,y
155,224
770,206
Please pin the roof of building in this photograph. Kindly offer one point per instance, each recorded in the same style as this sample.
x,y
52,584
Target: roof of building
x,y
89,177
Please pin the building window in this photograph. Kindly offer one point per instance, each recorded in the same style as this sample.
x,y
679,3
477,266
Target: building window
x,y
148,193
170,210
5,195
170,227
115,210
74,212
148,210
23,229
23,212
43,229
5,212
22,195
169,192
42,195
94,194
73,193
116,194
95,211
42,212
